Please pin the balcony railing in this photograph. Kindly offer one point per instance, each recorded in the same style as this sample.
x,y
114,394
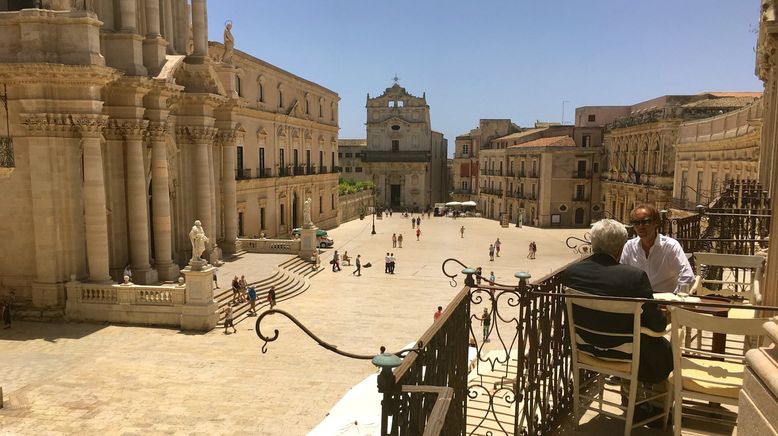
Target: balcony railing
x,y
242,173
491,191
462,191
323,169
263,173
582,175
580,198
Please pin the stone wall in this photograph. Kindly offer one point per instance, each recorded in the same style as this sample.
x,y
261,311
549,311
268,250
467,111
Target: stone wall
x,y
351,205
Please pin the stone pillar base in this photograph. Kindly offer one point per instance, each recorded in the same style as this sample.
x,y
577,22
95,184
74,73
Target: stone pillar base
x,y
229,247
215,256
124,51
758,403
154,50
308,242
200,312
168,272
144,276
48,294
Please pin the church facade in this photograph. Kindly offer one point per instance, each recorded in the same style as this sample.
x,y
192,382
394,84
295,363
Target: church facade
x,y
403,156
125,126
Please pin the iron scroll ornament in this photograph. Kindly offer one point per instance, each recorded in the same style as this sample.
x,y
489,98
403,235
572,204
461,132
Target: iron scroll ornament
x,y
323,344
580,245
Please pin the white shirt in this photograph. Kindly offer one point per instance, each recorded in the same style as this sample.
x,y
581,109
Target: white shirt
x,y
666,265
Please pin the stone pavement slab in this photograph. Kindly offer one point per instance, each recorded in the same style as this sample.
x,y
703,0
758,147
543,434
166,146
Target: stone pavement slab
x,y
109,379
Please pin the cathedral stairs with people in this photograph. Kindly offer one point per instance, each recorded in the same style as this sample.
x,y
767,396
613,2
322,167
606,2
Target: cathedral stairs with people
x,y
290,280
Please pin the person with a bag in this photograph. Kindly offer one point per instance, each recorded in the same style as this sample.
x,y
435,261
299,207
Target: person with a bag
x,y
271,296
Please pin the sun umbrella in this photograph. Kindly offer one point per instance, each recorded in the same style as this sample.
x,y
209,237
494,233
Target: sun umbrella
x,y
453,203
469,203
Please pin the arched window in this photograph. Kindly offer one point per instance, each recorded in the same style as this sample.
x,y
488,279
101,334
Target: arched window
x,y
260,91
238,89
281,95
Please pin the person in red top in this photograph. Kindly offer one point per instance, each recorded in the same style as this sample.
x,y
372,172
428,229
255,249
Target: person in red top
x,y
418,233
437,314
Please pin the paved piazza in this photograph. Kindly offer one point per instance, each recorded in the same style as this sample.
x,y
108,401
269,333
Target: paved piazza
x,y
107,379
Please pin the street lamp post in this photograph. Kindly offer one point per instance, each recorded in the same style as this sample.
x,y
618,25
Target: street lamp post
x,y
374,212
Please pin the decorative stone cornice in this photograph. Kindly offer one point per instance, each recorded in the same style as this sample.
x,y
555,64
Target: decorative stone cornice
x,y
46,124
129,129
56,74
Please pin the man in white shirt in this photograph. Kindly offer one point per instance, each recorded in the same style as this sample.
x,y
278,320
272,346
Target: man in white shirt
x,y
660,256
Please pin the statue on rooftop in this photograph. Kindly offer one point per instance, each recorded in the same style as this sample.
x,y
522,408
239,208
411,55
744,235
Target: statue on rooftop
x,y
229,43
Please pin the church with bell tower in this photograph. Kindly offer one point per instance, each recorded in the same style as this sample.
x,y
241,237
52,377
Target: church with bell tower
x,y
403,156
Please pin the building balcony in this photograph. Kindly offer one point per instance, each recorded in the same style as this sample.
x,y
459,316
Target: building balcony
x,y
242,173
580,198
263,173
582,174
491,191
462,191
395,156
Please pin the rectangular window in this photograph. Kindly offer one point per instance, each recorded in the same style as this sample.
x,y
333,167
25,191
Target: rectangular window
x,y
684,179
348,169
395,145
348,155
321,204
591,118
332,201
596,167
262,218
239,161
714,184
700,176
321,159
295,157
261,170
321,109
283,218
580,192
340,154
240,224
357,169
281,160
464,149
586,141
333,160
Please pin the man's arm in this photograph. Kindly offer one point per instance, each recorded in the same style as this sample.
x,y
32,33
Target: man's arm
x,y
651,317
685,272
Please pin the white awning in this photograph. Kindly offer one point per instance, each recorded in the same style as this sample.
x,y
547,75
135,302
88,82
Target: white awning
x,y
453,203
469,203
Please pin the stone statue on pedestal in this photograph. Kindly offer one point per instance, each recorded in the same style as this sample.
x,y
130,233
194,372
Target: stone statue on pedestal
x,y
307,221
229,43
198,239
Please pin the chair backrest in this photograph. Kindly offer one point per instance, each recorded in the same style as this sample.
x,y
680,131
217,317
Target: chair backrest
x,y
617,342
740,276
715,324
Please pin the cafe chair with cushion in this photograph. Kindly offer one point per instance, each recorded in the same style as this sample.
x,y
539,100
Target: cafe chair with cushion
x,y
741,275
707,376
620,360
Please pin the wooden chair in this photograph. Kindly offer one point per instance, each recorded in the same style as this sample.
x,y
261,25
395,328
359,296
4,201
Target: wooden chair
x,y
705,375
625,368
742,273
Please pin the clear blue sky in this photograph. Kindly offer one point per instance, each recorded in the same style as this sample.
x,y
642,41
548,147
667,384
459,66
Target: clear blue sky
x,y
515,59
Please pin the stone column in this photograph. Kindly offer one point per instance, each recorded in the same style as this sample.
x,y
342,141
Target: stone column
x,y
202,140
169,29
95,219
160,201
137,204
228,194
128,16
152,18
199,28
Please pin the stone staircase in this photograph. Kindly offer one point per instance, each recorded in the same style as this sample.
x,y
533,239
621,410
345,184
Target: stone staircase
x,y
290,279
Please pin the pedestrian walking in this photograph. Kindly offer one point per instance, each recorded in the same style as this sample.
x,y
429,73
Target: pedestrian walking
x,y
228,316
497,245
418,221
215,278
243,287
400,240
358,271
437,314
271,296
478,272
418,233
462,232
486,322
335,261
235,290
316,260
386,263
492,278
394,240
252,300
392,262
532,250
491,252
7,315
413,223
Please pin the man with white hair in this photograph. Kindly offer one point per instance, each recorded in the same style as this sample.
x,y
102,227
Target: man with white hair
x,y
602,274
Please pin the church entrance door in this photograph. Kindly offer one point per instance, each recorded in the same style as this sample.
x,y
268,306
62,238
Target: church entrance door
x,y
395,196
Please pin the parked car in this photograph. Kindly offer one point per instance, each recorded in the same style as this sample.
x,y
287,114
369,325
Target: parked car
x,y
322,239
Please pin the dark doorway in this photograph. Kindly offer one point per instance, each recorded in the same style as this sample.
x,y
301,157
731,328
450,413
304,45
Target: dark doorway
x,y
581,169
579,216
295,224
395,196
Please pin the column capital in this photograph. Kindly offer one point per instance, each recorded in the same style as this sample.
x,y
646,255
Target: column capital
x,y
157,130
198,133
90,125
48,124
130,129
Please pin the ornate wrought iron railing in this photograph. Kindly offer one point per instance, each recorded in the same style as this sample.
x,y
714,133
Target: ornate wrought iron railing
x,y
6,152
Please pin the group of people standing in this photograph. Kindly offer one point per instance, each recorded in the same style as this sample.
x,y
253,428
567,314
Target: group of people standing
x,y
389,261
397,239
494,249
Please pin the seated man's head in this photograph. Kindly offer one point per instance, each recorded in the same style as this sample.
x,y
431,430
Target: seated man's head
x,y
608,237
645,218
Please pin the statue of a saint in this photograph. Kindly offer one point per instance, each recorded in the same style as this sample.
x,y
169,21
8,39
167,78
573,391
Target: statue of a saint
x,y
307,212
198,239
229,43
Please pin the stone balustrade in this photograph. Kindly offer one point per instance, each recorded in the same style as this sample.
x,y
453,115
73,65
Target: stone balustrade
x,y
283,246
126,303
